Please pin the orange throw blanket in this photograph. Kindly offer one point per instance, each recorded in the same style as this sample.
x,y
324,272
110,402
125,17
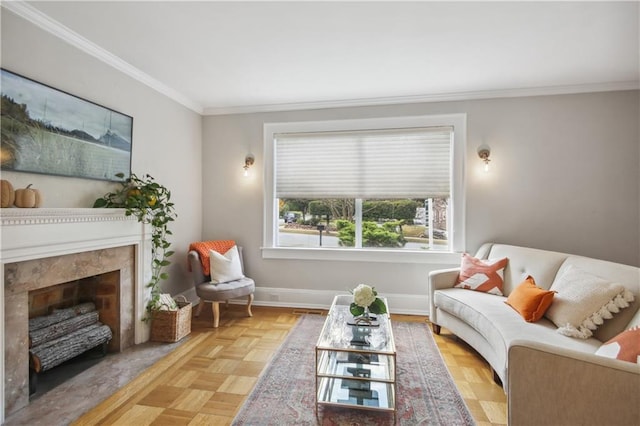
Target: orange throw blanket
x,y
203,247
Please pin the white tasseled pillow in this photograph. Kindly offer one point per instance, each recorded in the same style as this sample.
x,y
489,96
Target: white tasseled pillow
x,y
583,301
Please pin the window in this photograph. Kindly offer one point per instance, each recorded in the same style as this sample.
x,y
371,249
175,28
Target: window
x,y
372,185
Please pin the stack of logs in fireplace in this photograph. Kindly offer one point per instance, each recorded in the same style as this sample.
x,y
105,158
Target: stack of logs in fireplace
x,y
64,334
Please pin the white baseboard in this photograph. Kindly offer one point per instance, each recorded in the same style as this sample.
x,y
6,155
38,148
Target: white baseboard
x,y
410,304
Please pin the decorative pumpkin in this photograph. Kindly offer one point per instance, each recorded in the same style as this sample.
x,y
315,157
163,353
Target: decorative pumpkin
x,y
28,197
7,194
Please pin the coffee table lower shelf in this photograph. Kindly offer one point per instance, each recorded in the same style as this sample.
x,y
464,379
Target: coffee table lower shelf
x,y
367,395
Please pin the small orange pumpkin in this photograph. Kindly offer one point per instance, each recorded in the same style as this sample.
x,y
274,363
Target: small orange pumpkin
x,y
28,197
7,194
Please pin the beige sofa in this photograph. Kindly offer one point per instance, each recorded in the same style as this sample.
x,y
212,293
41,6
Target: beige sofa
x,y
549,378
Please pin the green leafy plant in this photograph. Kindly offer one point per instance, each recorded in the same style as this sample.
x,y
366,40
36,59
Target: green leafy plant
x,y
372,234
151,204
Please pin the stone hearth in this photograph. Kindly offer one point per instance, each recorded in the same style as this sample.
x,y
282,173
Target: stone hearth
x,y
47,247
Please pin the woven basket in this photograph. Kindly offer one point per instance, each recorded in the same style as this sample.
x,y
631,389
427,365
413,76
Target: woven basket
x,y
171,326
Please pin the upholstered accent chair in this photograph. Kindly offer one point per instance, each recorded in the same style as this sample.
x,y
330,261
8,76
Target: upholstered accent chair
x,y
214,293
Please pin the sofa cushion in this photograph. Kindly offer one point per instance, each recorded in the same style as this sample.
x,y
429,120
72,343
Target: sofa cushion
x,y
625,346
500,324
481,275
529,300
635,321
525,261
583,301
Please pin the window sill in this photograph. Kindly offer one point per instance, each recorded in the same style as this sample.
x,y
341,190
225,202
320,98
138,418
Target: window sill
x,y
361,255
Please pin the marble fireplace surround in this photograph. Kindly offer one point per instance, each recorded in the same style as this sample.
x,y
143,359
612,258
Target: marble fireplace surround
x,y
65,244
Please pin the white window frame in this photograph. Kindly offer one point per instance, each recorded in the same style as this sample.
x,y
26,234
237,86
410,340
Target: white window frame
x,y
271,213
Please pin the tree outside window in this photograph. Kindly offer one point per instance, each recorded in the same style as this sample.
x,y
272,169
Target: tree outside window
x,y
390,224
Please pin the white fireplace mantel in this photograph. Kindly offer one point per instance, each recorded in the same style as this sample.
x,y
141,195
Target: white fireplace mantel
x,y
28,234
34,233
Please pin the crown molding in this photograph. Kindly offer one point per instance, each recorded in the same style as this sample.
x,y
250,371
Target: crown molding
x,y
43,21
442,97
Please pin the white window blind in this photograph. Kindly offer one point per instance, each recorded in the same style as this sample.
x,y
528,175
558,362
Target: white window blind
x,y
383,164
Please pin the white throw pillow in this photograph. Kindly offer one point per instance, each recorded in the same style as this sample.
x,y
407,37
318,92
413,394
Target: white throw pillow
x,y
583,301
227,267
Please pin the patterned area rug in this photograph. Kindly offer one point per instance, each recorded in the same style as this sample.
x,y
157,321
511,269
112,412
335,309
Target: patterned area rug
x,y
285,393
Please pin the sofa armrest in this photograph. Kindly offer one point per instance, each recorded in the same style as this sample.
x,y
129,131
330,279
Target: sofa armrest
x,y
553,385
438,279
442,278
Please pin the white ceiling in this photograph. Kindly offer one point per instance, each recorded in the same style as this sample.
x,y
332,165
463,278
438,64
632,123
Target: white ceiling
x,y
218,57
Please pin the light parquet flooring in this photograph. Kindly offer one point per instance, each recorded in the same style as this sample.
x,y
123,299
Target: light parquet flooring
x,y
206,379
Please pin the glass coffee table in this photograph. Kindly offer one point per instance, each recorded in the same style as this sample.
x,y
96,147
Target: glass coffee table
x,y
355,364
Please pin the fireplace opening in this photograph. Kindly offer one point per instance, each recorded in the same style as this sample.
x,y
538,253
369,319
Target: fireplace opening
x,y
72,326
25,281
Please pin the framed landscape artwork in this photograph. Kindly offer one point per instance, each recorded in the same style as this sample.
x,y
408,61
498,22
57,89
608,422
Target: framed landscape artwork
x,y
45,130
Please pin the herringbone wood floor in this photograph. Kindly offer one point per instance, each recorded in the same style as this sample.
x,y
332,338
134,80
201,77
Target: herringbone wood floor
x,y
205,380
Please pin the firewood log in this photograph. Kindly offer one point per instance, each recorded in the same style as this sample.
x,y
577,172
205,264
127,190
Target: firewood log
x,y
59,315
83,308
67,326
57,351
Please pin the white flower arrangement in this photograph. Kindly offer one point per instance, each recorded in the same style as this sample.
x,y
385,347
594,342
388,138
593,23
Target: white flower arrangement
x,y
365,299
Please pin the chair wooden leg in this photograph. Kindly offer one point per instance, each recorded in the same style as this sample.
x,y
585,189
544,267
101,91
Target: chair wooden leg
x,y
199,308
249,302
216,313
226,304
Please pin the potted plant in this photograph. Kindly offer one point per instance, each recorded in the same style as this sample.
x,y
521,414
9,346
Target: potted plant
x,y
366,301
151,204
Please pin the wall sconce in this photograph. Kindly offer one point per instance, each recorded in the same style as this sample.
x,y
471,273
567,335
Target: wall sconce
x,y
483,153
248,162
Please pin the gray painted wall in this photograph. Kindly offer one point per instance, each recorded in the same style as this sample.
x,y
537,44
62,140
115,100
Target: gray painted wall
x,y
564,176
167,137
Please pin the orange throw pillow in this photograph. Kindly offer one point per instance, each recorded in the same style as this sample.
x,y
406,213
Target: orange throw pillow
x,y
625,346
529,300
482,275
